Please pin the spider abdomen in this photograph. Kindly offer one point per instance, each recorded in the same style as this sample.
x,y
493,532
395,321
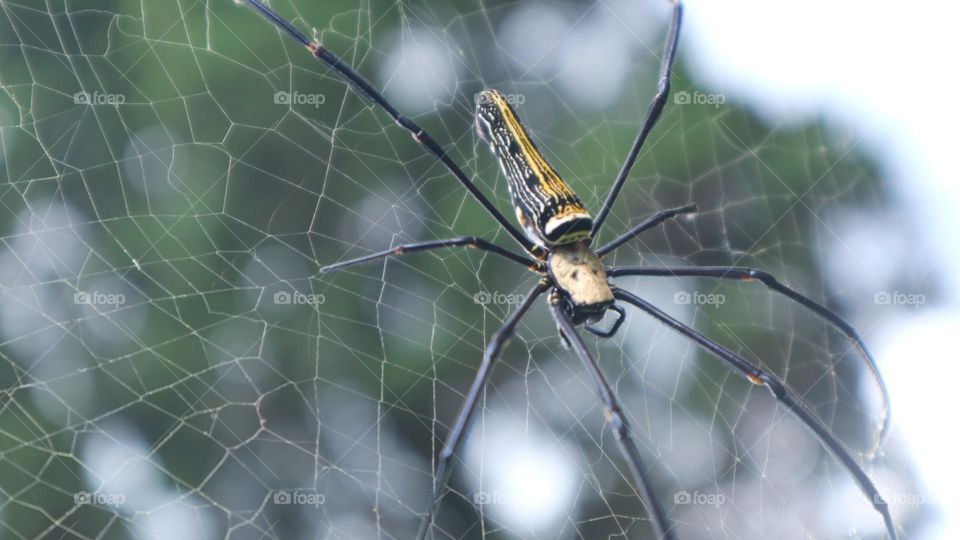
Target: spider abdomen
x,y
547,208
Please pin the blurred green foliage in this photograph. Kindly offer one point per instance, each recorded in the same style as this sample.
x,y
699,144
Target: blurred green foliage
x,y
218,175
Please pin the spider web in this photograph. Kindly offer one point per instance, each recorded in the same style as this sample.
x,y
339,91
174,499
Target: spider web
x,y
173,364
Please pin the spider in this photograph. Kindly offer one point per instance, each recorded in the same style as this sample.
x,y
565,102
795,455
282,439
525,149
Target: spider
x,y
557,231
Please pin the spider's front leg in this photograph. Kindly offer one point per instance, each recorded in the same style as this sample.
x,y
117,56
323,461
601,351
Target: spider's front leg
x,y
468,241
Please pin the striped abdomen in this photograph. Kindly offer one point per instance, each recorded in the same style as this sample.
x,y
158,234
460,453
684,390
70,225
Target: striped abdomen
x,y
548,210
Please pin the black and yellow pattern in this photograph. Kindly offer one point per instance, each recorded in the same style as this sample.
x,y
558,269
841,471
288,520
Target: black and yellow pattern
x,y
548,210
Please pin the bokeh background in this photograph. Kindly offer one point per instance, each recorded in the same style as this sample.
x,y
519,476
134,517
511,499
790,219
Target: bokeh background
x,y
175,173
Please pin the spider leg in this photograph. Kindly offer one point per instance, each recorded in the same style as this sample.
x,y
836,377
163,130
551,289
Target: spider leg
x,y
471,241
645,225
459,429
653,114
366,89
750,274
780,392
621,315
616,418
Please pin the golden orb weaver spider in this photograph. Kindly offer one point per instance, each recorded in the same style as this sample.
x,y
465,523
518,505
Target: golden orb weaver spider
x,y
557,233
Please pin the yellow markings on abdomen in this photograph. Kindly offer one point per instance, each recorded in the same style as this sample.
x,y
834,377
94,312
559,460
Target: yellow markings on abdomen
x,y
552,214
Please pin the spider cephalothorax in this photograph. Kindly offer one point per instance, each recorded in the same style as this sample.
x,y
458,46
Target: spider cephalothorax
x,y
557,230
578,274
